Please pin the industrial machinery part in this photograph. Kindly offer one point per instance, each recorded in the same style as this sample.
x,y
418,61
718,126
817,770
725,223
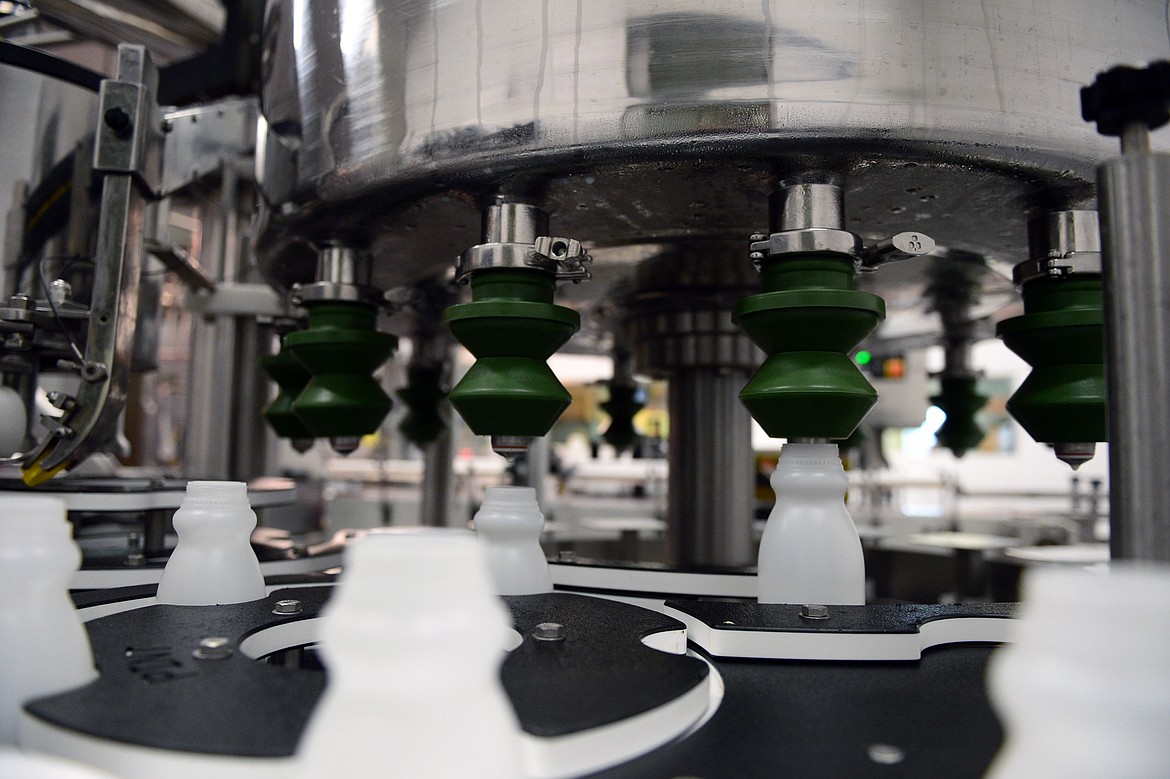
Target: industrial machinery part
x,y
954,292
290,377
1060,334
626,398
512,326
127,157
340,348
1133,191
810,316
679,322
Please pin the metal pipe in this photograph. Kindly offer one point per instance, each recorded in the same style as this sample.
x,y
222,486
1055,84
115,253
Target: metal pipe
x,y
712,472
1135,230
513,223
806,206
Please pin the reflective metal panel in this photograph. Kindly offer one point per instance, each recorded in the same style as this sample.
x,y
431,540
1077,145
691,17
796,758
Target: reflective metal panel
x,y
642,121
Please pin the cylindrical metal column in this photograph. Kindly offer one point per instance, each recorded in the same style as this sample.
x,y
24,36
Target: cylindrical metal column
x,y
435,503
1135,232
712,472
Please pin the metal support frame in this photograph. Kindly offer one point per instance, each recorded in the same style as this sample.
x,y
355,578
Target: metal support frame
x,y
127,157
1135,229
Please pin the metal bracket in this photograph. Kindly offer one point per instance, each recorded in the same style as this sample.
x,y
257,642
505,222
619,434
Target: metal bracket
x,y
127,156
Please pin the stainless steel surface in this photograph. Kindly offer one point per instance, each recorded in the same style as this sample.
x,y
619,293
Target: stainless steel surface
x,y
343,265
510,446
804,206
200,139
711,501
1135,238
1061,243
638,123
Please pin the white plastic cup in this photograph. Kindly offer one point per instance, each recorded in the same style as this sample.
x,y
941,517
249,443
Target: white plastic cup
x,y
213,562
44,648
509,524
810,551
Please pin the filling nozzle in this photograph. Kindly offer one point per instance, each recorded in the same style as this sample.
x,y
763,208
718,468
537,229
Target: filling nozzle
x,y
511,447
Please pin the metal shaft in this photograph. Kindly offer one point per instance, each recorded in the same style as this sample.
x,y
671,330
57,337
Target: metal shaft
x,y
712,472
1135,232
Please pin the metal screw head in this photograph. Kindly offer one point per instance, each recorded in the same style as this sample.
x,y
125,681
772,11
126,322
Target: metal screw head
x,y
213,648
549,631
758,236
814,611
290,606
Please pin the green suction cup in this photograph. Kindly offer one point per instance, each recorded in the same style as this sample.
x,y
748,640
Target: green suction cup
x,y
341,348
290,377
959,400
512,327
808,319
423,396
1061,335
625,400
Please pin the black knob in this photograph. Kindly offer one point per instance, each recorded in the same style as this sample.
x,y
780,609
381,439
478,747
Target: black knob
x,y
119,121
1124,95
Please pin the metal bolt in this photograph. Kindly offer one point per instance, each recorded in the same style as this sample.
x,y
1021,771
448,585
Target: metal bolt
x,y
727,622
290,606
814,611
213,648
549,631
567,556
60,291
885,754
61,400
20,301
758,236
755,256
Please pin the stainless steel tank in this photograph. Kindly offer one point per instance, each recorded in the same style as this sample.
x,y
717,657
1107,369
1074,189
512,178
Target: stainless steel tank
x,y
643,122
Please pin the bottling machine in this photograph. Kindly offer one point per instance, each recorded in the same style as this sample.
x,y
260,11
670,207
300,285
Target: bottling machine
x,y
728,196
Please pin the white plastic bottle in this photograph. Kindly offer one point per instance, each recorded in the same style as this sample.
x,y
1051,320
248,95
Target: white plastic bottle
x,y
810,552
509,524
213,562
412,641
44,648
1083,690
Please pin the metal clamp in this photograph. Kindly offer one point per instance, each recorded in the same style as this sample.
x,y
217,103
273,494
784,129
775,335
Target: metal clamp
x,y
1057,266
809,240
567,257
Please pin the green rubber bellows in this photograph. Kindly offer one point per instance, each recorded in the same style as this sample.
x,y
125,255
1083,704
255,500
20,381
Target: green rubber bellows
x,y
290,377
624,402
960,402
423,396
341,349
1061,335
512,327
808,319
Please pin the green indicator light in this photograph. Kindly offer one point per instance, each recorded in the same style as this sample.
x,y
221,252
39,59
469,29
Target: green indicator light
x,y
863,357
